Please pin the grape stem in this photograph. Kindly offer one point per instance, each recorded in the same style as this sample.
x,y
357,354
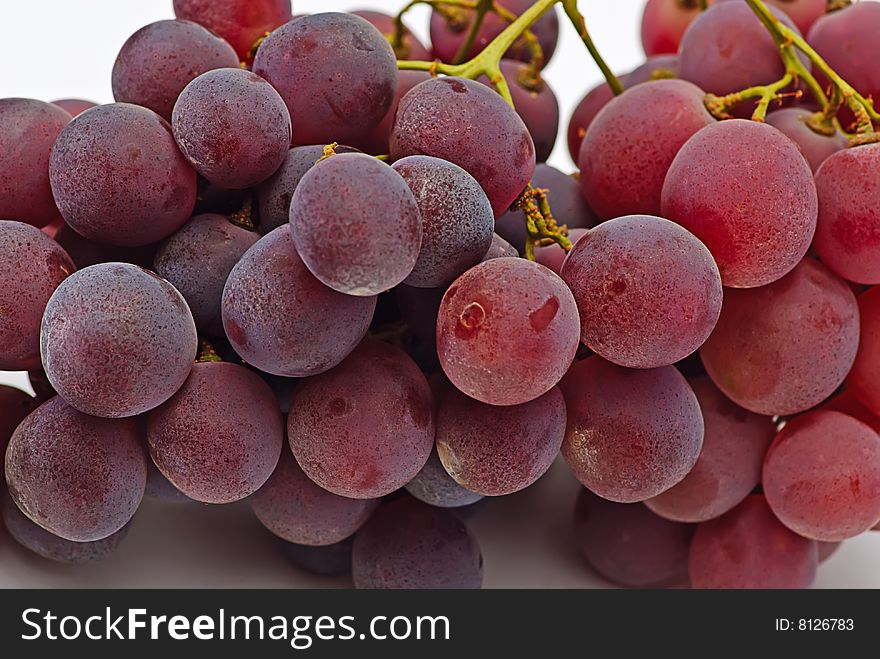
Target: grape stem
x,y
207,353
483,8
451,10
244,217
834,5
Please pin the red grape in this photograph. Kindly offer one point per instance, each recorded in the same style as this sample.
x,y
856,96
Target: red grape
x,y
365,428
436,487
74,106
816,148
631,434
862,380
786,347
846,401
32,267
507,331
822,476
664,22
377,141
553,256
79,477
803,13
749,548
658,67
15,405
729,466
413,49
648,292
160,488
117,340
745,190
499,249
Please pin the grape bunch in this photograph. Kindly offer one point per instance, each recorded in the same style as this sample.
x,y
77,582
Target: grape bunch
x,y
316,265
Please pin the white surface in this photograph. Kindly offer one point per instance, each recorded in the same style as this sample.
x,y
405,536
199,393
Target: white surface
x,y
53,49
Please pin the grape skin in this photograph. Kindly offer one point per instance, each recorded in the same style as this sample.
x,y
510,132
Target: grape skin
x,y
74,106
499,249
84,252
119,178
32,267
15,405
862,379
162,58
117,340
433,485
377,141
97,466
413,48
815,148
553,256
664,23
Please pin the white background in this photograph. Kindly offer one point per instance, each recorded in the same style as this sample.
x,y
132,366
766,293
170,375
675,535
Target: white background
x,y
52,49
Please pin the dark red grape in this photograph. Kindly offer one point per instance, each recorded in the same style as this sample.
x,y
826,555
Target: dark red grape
x,y
457,219
664,22
495,451
749,548
336,72
848,232
470,125
507,331
786,347
658,67
365,428
745,190
729,466
377,141
31,268
436,487
622,171
292,507
413,49
629,544
119,178
281,319
631,434
197,260
822,476
847,403
816,148
553,256
326,560
117,340
803,13
233,127
28,129
74,106
79,477
15,405
862,380
500,249
240,22
648,292
162,58
84,252
409,544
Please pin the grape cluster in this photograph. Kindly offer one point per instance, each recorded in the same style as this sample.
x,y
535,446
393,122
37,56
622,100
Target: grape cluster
x,y
280,270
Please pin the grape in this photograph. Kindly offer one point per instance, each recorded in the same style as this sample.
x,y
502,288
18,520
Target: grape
x,y
162,58
729,466
198,259
848,231
499,450
377,140
803,13
240,22
409,544
413,49
745,190
622,170
553,256
233,127
31,268
815,148
436,487
470,125
862,379
749,548
84,252
117,340
648,292
664,22
74,106
566,202
327,560
457,219
79,477
15,405
628,544
499,249
160,488
631,434
786,347
507,331
292,507
41,542
119,178
29,129
448,39
365,428
356,224
658,67
336,72
822,476
281,319
846,402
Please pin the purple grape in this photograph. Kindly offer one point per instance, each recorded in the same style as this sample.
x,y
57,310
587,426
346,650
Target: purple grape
x,y
457,219
365,428
470,125
160,488
282,320
803,13
433,485
409,544
15,405
377,141
356,224
657,67
292,507
862,379
74,106
413,49
119,178
326,560
499,249
336,72
162,58
507,331
79,477
31,268
553,256
815,148
197,260
117,340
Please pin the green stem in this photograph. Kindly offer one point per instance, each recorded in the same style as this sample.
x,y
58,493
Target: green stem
x,y
580,25
704,5
207,353
445,7
483,8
